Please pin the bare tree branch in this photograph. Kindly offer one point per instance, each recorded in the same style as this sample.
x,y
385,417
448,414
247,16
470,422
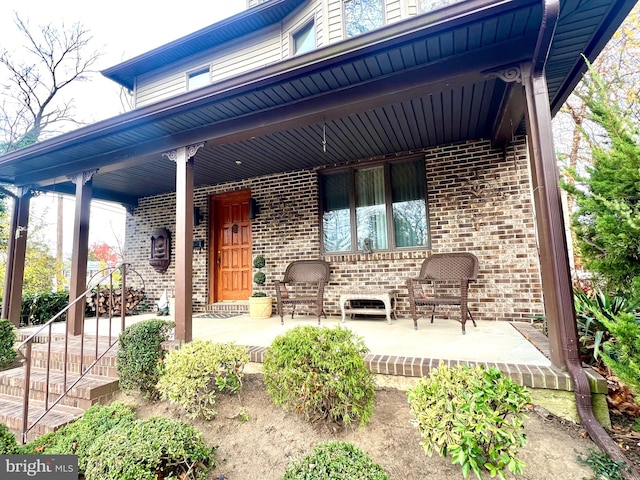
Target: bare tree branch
x,y
51,59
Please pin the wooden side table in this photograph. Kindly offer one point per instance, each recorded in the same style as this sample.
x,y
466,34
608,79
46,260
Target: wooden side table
x,y
387,297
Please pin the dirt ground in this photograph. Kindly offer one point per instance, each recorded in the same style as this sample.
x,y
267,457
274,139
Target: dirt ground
x,y
262,446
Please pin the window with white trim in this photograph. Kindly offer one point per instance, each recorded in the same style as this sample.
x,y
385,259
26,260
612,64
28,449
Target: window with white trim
x,y
377,207
304,40
197,79
362,16
430,5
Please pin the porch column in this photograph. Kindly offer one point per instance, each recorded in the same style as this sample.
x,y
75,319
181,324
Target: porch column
x,y
554,255
16,254
183,157
78,282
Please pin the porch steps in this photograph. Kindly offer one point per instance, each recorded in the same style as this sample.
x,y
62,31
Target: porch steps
x,y
227,308
99,386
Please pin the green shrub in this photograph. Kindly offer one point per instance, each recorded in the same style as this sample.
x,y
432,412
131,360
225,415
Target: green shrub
x,y
335,460
320,372
150,449
8,443
39,308
77,437
603,466
621,353
474,415
139,353
192,376
7,343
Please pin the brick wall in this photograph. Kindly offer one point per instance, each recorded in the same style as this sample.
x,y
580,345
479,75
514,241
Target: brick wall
x,y
479,201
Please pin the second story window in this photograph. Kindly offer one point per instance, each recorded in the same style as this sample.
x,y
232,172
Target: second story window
x,y
304,40
362,16
430,5
197,79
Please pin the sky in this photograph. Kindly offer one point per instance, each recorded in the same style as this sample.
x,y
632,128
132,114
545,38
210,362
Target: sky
x,y
121,30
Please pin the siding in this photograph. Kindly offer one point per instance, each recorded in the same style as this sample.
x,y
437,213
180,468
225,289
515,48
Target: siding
x,y
262,48
334,21
497,227
393,11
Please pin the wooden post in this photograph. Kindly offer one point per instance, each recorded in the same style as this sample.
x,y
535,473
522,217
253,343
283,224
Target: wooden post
x,y
78,282
183,157
16,255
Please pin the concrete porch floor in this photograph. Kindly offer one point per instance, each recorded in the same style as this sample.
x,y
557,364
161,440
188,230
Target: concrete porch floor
x,y
395,349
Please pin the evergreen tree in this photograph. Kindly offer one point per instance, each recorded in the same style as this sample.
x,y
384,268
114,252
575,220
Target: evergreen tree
x,y
606,219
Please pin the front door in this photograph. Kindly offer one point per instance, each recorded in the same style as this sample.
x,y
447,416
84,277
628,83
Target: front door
x,y
231,253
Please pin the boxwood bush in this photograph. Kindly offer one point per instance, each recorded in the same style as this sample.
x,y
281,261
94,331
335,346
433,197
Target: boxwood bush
x,y
140,351
77,437
320,372
335,459
7,343
193,375
150,449
8,442
475,415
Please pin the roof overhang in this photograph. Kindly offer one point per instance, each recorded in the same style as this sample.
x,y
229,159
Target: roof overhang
x,y
433,79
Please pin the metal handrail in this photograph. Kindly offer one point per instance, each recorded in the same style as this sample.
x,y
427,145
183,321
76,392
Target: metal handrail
x,y
28,342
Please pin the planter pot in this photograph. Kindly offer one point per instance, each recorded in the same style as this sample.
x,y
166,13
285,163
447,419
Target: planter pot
x,y
260,307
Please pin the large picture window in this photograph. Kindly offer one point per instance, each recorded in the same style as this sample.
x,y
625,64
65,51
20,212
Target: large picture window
x,y
381,207
362,16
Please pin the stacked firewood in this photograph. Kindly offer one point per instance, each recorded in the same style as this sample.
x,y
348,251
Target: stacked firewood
x,y
101,300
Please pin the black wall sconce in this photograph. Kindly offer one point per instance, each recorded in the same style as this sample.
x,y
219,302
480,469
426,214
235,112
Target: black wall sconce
x,y
198,244
254,209
197,216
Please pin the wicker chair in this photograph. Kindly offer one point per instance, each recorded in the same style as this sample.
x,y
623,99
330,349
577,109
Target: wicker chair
x,y
303,284
447,277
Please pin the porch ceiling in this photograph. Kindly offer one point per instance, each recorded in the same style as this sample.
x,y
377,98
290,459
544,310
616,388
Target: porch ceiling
x,y
416,84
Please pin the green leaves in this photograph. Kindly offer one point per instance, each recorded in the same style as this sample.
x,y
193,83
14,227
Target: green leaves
x,y
7,343
192,376
320,373
139,353
335,459
473,415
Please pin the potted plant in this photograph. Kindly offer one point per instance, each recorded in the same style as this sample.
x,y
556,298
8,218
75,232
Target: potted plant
x,y
260,304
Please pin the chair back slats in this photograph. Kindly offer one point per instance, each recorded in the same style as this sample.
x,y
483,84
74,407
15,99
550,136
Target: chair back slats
x,y
450,266
307,271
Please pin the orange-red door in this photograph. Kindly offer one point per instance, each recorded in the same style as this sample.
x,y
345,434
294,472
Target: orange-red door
x,y
231,239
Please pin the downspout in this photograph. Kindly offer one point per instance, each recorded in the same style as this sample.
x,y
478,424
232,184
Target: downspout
x,y
567,329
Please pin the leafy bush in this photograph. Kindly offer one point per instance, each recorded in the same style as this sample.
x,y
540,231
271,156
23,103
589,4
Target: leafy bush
x,y
76,438
603,466
335,460
8,443
7,343
140,352
592,332
474,415
150,449
39,308
320,372
192,376
622,352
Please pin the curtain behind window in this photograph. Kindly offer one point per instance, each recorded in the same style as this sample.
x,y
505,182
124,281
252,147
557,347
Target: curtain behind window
x,y
371,213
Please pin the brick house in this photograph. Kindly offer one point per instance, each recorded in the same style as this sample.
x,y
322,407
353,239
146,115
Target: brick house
x,y
420,127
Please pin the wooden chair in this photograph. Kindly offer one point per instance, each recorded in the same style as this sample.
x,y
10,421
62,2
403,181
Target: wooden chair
x,y
303,284
447,277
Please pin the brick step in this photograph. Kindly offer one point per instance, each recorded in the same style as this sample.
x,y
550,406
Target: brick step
x,y
11,415
41,354
90,390
228,308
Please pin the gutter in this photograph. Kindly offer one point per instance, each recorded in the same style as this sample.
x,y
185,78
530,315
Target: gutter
x,y
567,330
